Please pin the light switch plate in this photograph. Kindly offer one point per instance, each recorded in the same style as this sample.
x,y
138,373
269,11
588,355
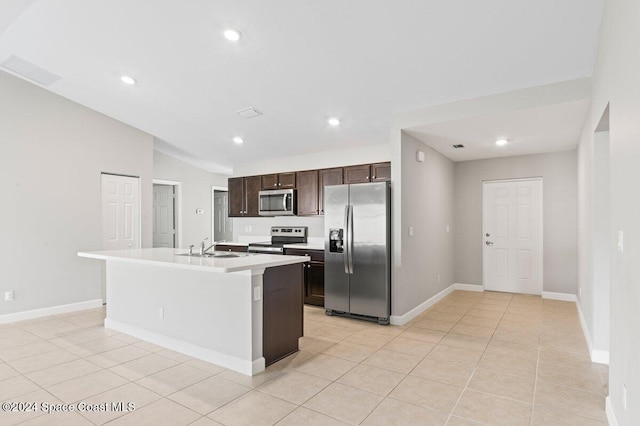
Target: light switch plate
x,y
411,231
256,294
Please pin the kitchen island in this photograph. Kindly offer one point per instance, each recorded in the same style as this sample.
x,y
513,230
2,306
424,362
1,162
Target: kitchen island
x,y
241,311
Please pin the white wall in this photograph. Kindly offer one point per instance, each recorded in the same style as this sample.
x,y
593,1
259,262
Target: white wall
x,y
196,194
319,160
53,151
558,171
425,203
616,81
260,227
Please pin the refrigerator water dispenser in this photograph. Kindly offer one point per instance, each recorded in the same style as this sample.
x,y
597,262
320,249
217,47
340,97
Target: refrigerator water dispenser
x,y
335,240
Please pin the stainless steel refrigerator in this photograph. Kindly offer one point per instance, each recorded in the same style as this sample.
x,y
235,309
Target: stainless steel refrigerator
x,y
357,254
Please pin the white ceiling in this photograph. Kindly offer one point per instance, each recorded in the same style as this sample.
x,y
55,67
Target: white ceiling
x,y
298,62
548,128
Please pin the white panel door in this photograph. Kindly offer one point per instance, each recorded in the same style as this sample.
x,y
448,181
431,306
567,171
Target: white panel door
x,y
512,236
163,216
222,223
120,212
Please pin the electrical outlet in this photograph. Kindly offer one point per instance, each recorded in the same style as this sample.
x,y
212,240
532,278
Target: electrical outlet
x,y
8,296
438,277
624,397
448,229
256,294
161,313
411,231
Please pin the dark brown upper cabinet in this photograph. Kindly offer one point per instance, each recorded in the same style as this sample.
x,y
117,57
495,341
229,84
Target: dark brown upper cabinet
x,y
236,197
357,174
243,196
279,181
327,177
307,192
381,172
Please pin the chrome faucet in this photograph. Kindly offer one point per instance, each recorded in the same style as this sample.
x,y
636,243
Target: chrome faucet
x,y
202,249
213,245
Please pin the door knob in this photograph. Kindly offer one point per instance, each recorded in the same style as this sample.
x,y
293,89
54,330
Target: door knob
x,y
489,243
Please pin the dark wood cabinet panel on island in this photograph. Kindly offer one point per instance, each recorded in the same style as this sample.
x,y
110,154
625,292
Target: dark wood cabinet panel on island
x,y
278,181
381,172
327,177
307,192
243,196
357,174
282,315
313,275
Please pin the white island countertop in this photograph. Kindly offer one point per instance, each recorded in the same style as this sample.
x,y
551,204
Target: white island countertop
x,y
169,257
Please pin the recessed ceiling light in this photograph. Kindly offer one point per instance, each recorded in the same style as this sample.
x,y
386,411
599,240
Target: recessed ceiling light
x,y
502,142
127,79
232,34
238,140
333,121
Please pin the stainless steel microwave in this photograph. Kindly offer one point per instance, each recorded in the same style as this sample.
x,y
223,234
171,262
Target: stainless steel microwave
x,y
277,202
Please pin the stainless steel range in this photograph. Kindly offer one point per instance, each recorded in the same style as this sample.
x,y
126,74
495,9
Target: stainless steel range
x,y
280,235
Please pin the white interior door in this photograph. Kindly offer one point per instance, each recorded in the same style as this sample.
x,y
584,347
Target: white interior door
x,y
222,223
512,236
164,230
120,212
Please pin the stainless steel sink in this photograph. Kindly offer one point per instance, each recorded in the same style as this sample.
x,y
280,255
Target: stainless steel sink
x,y
215,254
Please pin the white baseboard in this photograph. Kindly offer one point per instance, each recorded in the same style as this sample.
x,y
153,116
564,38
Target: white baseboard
x,y
403,319
597,355
240,365
611,416
52,310
468,287
567,297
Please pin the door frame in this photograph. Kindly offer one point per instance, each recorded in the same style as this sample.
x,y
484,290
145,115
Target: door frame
x,y
178,207
215,188
541,247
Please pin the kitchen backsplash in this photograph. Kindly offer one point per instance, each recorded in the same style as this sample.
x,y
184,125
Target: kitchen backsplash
x,y
261,226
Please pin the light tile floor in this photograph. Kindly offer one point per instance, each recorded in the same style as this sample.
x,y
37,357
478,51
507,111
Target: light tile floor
x,y
473,358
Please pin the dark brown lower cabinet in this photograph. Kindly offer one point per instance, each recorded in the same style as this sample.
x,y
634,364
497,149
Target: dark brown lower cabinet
x,y
314,284
282,315
229,247
313,275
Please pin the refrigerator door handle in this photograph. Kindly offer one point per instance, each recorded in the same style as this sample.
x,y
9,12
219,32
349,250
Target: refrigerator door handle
x,y
350,239
346,243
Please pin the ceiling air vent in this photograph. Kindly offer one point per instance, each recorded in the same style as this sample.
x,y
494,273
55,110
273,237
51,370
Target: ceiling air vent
x,y
248,112
458,146
29,71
